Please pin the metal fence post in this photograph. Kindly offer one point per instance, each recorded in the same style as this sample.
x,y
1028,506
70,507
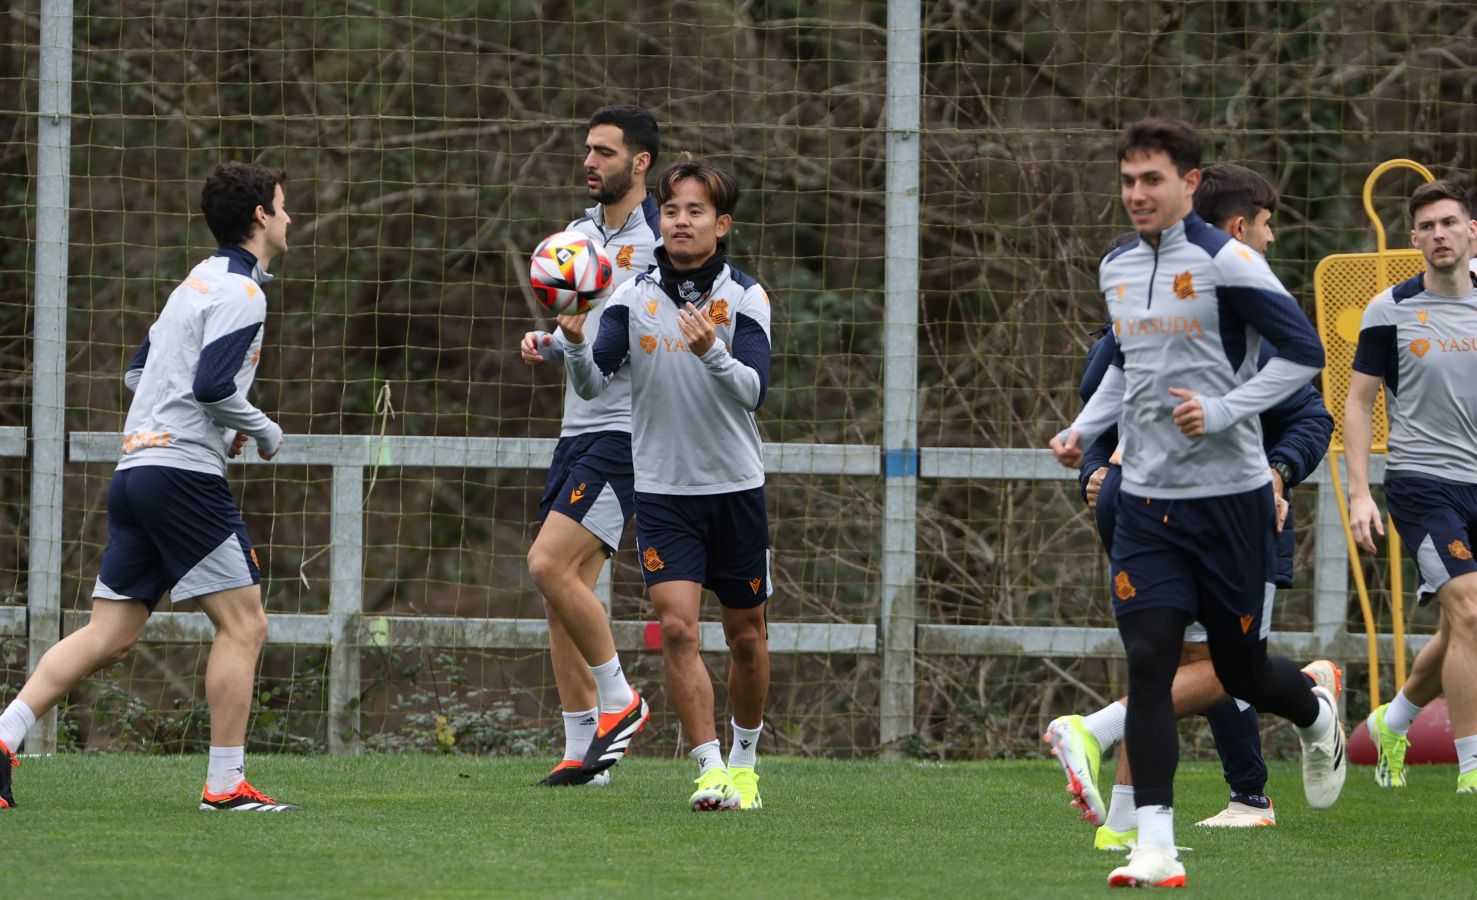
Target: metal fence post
x,y
49,347
345,609
899,607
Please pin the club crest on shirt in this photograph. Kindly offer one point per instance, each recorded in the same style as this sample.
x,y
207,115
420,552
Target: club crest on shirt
x,y
718,312
648,343
1420,347
1458,550
1123,589
1184,286
688,291
652,560
623,258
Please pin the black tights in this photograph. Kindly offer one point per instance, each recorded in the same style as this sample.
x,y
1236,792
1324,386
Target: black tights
x,y
1152,640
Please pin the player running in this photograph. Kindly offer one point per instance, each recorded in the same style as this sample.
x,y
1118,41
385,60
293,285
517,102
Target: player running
x,y
1295,433
694,334
1194,534
1417,337
589,495
173,526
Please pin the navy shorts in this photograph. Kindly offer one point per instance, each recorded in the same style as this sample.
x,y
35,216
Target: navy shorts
x,y
173,530
721,541
591,482
1435,519
1212,557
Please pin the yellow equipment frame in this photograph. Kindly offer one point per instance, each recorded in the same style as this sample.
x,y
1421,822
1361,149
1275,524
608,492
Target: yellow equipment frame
x,y
1343,284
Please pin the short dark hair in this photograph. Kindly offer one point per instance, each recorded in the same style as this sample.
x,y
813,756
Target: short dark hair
x,y
233,191
1441,189
637,126
1227,190
722,189
1174,137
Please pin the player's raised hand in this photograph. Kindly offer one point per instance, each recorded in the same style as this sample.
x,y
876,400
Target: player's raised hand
x,y
530,345
1067,452
697,329
238,443
1365,521
1189,416
573,327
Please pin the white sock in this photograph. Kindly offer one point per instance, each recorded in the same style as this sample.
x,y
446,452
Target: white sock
x,y
1321,724
1122,814
611,686
708,756
1401,713
745,750
1107,724
579,728
1466,753
227,769
1156,826
15,722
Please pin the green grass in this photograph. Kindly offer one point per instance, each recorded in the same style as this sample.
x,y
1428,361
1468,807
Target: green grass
x,y
120,826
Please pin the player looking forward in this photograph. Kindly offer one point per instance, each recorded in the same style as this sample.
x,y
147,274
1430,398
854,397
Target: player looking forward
x,y
1417,339
173,526
694,334
589,496
1193,540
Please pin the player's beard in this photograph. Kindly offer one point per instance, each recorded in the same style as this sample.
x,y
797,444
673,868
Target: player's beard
x,y
614,187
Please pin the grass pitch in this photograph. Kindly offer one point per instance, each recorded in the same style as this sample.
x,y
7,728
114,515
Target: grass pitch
x,y
123,826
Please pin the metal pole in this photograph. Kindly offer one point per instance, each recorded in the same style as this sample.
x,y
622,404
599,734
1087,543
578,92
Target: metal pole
x,y
49,347
345,609
900,372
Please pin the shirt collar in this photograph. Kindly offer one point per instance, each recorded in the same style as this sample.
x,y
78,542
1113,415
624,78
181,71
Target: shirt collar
x,y
241,261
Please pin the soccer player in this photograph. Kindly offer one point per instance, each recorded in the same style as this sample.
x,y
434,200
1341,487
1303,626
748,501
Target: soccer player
x,y
694,333
1416,338
1193,536
173,526
1295,433
589,496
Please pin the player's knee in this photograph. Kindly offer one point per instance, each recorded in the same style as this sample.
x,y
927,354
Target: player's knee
x,y
249,628
1460,614
546,568
679,634
745,643
116,647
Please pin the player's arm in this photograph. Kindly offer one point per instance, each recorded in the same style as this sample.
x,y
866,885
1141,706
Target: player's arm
x,y
135,371
541,346
1095,459
591,368
1375,358
1100,414
1254,295
230,328
1299,428
742,372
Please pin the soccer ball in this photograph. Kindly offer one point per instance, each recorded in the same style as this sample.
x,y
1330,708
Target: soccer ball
x,y
569,272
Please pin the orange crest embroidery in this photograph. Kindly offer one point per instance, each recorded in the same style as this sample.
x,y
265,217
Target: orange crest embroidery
x,y
718,312
1246,623
1420,347
1459,550
1123,589
754,584
577,494
623,258
652,560
1184,286
648,343
1422,316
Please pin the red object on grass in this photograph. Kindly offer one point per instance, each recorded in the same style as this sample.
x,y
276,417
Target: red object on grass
x,y
1430,739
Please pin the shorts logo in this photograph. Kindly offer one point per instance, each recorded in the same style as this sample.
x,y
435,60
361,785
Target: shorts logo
x,y
755,584
1422,316
1420,347
718,312
1184,286
1458,550
577,494
623,258
1123,589
651,307
648,343
651,560
254,561
1246,623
